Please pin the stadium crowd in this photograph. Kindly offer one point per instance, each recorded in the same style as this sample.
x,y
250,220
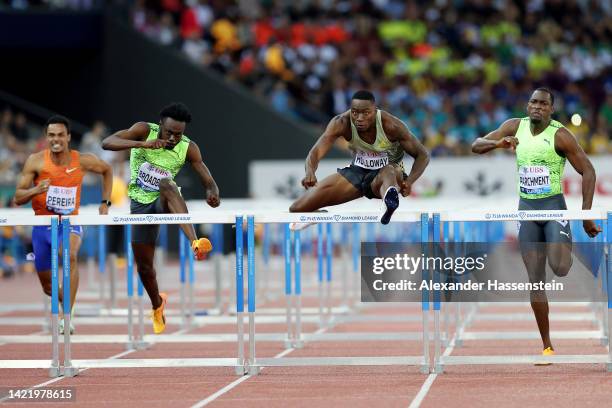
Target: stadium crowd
x,y
451,69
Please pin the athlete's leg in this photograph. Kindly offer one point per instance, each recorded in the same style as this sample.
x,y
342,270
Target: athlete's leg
x,y
45,283
559,246
41,244
389,176
332,190
173,202
531,237
143,257
386,186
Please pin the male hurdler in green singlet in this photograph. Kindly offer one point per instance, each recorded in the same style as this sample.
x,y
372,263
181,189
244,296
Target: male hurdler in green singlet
x,y
542,145
158,152
378,141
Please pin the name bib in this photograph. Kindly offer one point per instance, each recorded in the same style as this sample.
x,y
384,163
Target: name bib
x,y
149,176
371,160
534,179
61,200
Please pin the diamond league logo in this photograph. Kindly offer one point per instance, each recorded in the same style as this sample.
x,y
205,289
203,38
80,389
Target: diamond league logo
x,y
337,217
488,216
303,218
522,215
149,218
115,219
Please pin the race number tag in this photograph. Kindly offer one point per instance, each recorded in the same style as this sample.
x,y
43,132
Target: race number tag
x,y
371,160
149,176
61,200
534,179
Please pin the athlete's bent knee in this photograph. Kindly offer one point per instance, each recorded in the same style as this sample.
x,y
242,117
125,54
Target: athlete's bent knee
x,y
560,267
296,207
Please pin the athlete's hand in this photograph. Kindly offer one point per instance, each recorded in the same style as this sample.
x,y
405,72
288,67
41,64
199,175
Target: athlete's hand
x,y
212,198
310,180
591,228
103,209
43,186
508,142
405,188
154,144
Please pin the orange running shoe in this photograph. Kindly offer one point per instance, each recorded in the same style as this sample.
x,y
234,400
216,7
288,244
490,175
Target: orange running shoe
x,y
201,247
159,320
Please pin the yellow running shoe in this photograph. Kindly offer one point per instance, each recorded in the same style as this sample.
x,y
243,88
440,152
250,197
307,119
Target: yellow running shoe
x,y
159,320
200,248
548,351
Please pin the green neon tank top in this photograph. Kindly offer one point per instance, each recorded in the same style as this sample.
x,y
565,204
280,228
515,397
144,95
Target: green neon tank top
x,y
540,168
149,166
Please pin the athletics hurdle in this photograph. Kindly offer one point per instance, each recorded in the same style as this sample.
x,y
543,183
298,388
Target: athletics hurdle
x,y
52,222
440,361
255,364
71,367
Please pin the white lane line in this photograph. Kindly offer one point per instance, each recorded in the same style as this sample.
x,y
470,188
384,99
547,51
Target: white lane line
x,y
38,333
235,383
418,399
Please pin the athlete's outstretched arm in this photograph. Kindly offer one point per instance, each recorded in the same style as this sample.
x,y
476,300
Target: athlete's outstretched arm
x,y
566,144
194,156
501,138
134,137
90,162
25,191
334,130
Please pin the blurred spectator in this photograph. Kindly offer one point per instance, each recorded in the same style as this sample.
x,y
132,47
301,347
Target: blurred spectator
x,y
92,143
19,128
451,69
456,67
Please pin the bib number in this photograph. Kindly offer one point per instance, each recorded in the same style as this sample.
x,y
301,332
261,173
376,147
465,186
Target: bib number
x,y
61,200
534,179
371,160
149,177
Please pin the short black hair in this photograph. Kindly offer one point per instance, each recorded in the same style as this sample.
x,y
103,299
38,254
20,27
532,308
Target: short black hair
x,y
549,92
58,119
176,111
364,95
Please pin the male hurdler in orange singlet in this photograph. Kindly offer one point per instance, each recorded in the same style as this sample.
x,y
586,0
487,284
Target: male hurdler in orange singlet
x,y
52,180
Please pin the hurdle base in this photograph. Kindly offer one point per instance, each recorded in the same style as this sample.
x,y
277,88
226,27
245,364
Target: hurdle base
x,y
298,344
604,341
288,343
424,369
130,346
240,370
70,371
54,372
609,367
254,370
141,345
